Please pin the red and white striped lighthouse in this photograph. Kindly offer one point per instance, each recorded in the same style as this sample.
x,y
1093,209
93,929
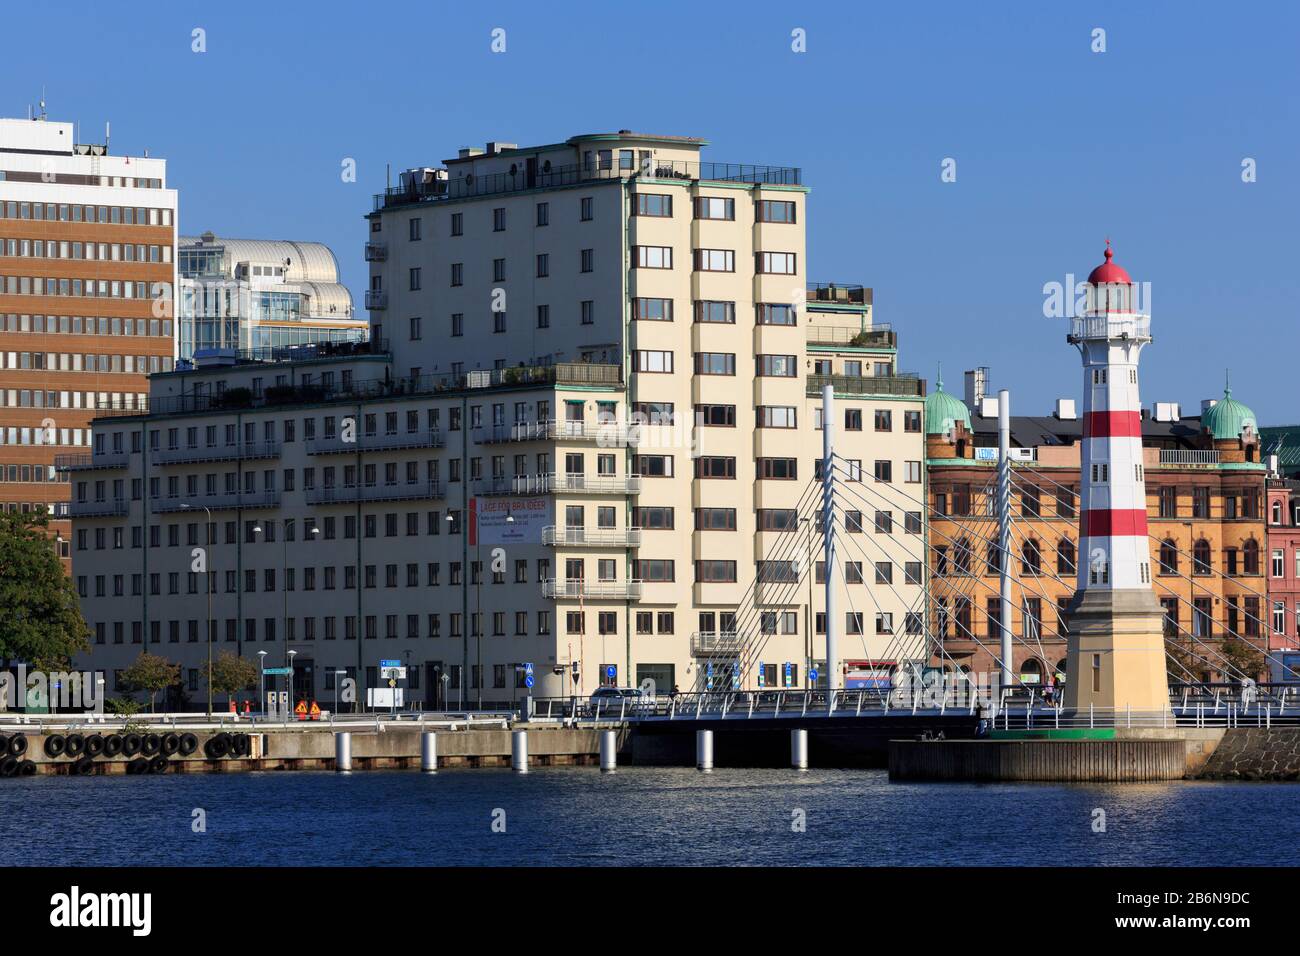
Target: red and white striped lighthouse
x,y
1115,656
1113,519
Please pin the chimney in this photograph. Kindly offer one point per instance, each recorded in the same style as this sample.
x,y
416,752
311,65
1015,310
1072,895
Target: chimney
x,y
1207,404
977,383
1065,410
1167,412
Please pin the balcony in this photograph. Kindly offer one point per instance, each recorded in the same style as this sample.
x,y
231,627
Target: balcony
x,y
250,451
876,337
882,385
1188,456
592,537
467,186
558,484
838,293
112,508
246,500
376,301
1108,327
575,588
717,644
85,462
420,491
337,446
606,434
376,251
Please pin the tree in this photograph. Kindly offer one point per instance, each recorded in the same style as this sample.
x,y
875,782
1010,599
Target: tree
x,y
231,674
1242,656
152,673
40,617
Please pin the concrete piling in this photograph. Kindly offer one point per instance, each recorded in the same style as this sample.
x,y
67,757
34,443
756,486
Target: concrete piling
x,y
519,751
608,751
799,749
704,750
343,751
429,751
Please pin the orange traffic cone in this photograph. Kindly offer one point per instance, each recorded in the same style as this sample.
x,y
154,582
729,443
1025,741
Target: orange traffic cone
x,y
233,709
248,708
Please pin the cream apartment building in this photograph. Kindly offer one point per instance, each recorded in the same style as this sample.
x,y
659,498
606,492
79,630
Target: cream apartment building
x,y
587,428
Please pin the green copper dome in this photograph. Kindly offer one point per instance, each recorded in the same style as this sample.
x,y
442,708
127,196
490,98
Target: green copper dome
x,y
1227,417
942,410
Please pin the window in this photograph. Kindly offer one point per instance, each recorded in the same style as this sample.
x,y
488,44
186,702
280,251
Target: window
x,y
584,209
776,263
771,210
715,519
771,313
716,415
883,471
654,204
654,257
718,312
654,361
414,276
715,363
543,214
911,421
712,207
588,260
715,467
498,219
780,469
653,570
715,260
776,366
413,229
653,310
457,223
776,416
715,572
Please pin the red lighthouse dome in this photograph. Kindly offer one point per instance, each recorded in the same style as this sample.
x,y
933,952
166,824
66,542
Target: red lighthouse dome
x,y
1109,272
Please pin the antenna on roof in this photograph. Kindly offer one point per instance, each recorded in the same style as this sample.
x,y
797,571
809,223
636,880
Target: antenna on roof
x,y
43,113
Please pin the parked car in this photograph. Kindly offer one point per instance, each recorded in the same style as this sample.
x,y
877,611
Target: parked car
x,y
614,699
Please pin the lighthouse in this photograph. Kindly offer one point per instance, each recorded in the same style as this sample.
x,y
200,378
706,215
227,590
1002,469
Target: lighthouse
x,y
1115,657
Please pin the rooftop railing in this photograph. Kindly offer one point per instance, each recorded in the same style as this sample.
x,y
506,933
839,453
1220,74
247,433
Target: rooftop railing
x,y
563,373
851,294
904,384
876,337
1188,456
518,179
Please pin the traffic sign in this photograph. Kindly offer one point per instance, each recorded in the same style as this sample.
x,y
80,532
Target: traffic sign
x,y
392,670
286,671
528,681
390,663
812,674
528,669
611,670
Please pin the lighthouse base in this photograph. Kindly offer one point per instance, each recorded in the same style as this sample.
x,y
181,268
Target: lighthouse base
x,y
1115,657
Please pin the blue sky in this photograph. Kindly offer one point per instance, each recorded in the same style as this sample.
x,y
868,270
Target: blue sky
x,y
1056,147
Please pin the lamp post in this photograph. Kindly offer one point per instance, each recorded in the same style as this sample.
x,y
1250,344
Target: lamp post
x,y
289,657
261,671
207,573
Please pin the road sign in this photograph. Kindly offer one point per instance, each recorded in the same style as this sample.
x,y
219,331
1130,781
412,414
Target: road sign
x,y
388,671
528,669
611,671
812,674
528,681
284,671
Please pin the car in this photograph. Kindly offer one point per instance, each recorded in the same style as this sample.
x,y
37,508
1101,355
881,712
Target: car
x,y
626,699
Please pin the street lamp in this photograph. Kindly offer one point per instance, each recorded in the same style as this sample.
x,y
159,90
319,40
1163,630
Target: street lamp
x,y
289,657
261,670
207,573
339,672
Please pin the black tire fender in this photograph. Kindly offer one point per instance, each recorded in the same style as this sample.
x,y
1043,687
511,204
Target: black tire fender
x,y
94,745
158,764
112,745
171,743
151,744
138,765
76,743
17,745
8,766
27,768
189,744
131,744
84,767
54,745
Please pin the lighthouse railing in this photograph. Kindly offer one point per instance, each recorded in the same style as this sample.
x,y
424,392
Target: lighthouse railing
x,y
1111,327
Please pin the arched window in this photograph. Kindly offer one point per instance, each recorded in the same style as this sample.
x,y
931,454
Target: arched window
x,y
1250,556
1277,512
1031,557
1031,671
993,559
1066,557
1168,557
1201,557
